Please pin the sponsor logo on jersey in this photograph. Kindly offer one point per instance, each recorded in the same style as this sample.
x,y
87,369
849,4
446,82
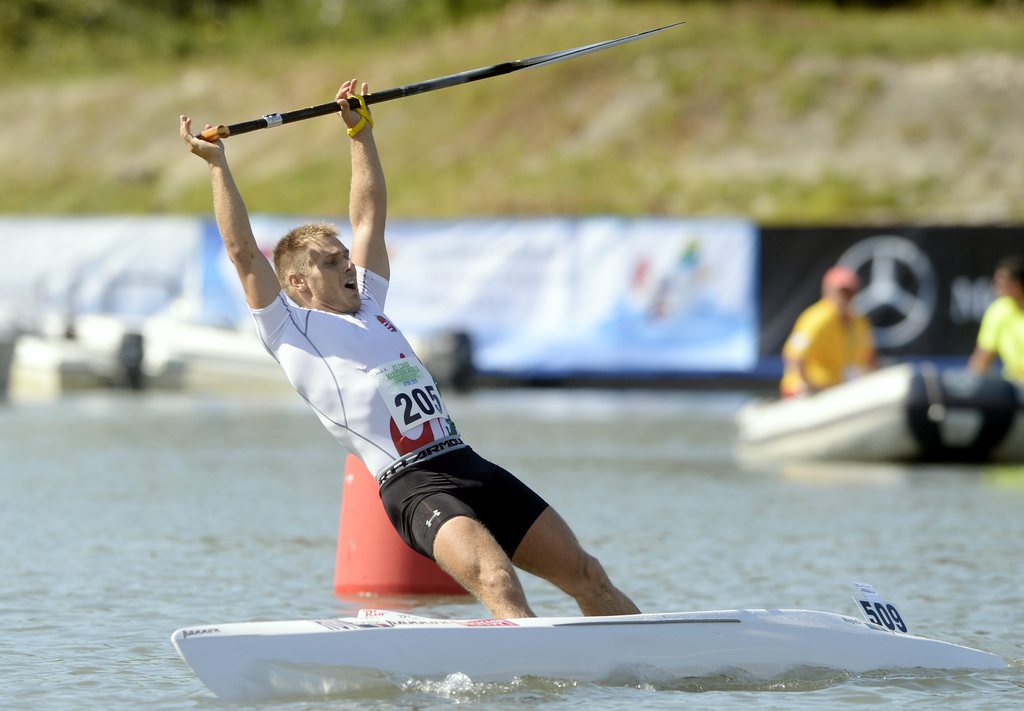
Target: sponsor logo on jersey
x,y
404,444
419,456
387,324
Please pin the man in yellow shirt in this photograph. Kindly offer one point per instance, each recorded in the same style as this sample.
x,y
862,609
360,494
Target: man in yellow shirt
x,y
829,343
1002,326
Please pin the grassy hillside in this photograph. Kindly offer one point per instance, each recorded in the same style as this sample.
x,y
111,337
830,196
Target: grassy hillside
x,y
760,109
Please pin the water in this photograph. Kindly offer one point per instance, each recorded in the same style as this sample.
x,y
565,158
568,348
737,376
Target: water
x,y
125,517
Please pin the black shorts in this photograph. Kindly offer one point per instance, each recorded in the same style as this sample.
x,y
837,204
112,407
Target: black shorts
x,y
461,483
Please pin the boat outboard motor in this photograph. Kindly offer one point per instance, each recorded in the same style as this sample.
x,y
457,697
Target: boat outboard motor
x,y
449,358
128,368
8,339
957,415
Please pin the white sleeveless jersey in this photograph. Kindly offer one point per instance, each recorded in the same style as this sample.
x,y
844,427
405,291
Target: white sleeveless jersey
x,y
361,377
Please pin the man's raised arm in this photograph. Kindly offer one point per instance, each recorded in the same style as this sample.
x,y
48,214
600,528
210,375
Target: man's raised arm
x,y
257,276
368,196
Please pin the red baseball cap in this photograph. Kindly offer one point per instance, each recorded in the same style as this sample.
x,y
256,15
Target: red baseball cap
x,y
841,278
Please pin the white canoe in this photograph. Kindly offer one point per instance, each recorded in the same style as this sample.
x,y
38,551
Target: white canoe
x,y
344,655
896,414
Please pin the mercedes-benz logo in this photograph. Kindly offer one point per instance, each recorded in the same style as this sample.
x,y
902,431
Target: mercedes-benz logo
x,y
900,290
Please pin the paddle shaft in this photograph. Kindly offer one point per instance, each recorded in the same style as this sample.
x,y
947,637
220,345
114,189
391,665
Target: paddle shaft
x,y
271,120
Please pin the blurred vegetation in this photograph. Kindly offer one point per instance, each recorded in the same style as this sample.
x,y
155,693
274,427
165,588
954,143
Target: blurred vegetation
x,y
781,111
46,36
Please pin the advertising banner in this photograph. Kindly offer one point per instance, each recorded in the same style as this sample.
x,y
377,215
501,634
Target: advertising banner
x,y
559,296
585,296
132,266
925,288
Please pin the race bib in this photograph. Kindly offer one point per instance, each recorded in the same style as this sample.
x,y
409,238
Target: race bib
x,y
409,392
878,611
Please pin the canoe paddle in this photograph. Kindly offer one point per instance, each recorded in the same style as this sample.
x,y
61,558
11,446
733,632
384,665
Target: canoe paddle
x,y
271,120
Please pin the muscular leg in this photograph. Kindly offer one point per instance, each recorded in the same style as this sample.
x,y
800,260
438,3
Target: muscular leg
x,y
551,551
467,551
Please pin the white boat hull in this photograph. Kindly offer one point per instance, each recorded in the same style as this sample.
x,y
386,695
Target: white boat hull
x,y
898,414
338,656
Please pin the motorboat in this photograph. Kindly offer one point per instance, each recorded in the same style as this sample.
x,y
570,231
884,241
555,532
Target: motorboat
x,y
901,413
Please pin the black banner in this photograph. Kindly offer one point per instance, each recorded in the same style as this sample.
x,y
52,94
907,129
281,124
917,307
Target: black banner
x,y
925,288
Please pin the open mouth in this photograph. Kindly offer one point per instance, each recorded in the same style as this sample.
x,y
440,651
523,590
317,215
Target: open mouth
x,y
351,285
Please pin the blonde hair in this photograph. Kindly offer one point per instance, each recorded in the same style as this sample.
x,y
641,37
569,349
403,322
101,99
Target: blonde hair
x,y
291,255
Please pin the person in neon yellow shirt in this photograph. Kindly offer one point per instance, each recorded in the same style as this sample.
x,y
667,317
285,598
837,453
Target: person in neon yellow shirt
x,y
1002,327
829,343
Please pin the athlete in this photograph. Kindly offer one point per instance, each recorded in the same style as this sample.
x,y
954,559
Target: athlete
x,y
1002,327
321,316
829,343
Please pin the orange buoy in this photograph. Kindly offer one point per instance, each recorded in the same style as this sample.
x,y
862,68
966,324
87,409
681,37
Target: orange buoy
x,y
372,557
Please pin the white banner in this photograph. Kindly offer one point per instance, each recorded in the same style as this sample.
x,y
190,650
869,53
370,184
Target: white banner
x,y
543,296
597,295
60,266
561,296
